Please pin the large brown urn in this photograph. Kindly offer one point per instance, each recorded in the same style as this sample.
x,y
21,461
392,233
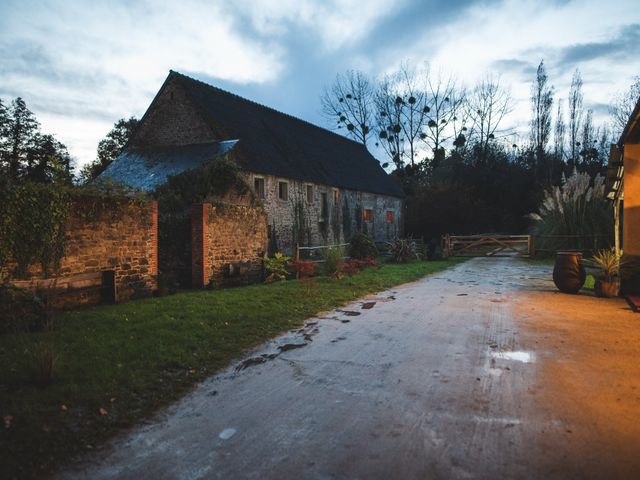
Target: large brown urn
x,y
568,272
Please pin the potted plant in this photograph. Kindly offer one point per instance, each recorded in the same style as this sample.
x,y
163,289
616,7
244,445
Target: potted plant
x,y
608,281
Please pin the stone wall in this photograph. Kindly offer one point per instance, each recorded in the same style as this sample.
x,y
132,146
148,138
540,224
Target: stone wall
x,y
228,242
171,120
121,241
300,219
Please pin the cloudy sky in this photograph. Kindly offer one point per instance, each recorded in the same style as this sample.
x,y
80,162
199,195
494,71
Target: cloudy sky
x,y
80,66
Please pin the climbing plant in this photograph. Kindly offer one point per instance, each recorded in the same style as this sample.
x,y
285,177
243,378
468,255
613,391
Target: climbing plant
x,y
33,225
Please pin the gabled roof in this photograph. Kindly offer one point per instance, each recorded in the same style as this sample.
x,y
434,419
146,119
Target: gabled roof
x,y
615,167
274,143
149,168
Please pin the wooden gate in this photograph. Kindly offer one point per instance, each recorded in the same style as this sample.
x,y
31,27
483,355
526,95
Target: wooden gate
x,y
487,245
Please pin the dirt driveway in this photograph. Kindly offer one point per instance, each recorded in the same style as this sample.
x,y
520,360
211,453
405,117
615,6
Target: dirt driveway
x,y
481,371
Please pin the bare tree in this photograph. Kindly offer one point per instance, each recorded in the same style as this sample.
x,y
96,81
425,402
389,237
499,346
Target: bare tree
x,y
401,115
541,103
576,113
389,105
348,104
487,105
623,105
442,109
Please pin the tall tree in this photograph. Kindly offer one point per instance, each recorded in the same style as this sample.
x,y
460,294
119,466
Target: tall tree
x,y
20,134
623,105
559,133
576,113
109,148
541,103
48,161
348,104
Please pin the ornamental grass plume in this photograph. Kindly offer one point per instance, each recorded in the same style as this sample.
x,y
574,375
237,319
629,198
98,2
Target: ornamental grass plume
x,y
577,208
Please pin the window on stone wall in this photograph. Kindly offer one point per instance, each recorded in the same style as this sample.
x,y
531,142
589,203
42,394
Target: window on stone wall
x,y
368,215
258,187
324,207
389,216
309,193
283,190
336,197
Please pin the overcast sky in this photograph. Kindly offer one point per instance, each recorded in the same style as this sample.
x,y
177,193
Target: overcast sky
x,y
81,66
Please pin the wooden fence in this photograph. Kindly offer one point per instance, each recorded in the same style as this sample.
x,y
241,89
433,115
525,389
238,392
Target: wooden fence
x,y
487,245
494,245
316,253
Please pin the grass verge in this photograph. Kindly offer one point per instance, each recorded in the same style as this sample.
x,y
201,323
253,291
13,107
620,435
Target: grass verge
x,y
115,365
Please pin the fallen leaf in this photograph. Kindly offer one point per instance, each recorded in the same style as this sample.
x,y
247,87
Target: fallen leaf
x,y
7,421
63,407
103,411
112,399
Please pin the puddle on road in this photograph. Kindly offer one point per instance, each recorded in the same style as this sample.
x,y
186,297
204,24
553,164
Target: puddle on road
x,y
227,433
368,305
518,356
349,313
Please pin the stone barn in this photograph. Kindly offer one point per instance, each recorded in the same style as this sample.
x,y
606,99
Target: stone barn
x,y
315,186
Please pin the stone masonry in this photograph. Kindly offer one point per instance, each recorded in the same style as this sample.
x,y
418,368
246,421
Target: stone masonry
x,y
228,242
302,219
122,240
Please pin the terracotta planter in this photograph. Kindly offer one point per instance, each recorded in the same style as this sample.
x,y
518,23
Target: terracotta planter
x,y
607,288
568,272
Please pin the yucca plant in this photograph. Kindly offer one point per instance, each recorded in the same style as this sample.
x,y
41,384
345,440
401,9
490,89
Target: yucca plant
x,y
403,250
608,261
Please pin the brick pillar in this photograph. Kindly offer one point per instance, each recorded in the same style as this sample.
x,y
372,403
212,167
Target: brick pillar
x,y
154,236
198,245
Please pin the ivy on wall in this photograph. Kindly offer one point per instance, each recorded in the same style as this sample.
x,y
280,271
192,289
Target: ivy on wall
x,y
211,184
34,219
32,225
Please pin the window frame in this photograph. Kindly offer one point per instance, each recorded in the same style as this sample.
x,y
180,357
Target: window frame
x,y
309,192
262,194
367,215
282,183
324,207
390,216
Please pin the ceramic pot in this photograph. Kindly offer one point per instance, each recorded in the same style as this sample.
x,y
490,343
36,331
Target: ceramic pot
x,y
568,272
607,289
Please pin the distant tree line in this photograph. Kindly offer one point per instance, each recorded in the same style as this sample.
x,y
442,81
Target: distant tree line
x,y
25,152
461,167
28,154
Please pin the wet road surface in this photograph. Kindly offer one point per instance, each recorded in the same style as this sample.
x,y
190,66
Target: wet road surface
x,y
453,376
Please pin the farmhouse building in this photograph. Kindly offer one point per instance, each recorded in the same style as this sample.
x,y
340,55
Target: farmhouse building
x,y
623,187
315,186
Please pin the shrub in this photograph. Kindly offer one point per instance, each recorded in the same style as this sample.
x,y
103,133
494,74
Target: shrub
x,y
333,262
276,267
403,250
303,268
21,311
362,246
43,359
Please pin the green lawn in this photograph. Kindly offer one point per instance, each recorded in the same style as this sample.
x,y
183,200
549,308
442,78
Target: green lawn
x,y
130,359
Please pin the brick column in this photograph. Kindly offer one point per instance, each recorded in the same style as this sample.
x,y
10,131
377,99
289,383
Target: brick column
x,y
198,245
154,234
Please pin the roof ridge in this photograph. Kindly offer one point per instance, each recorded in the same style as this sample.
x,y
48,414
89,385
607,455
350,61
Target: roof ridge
x,y
173,72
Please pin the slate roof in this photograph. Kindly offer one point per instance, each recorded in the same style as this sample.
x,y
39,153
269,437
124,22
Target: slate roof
x,y
274,143
147,169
